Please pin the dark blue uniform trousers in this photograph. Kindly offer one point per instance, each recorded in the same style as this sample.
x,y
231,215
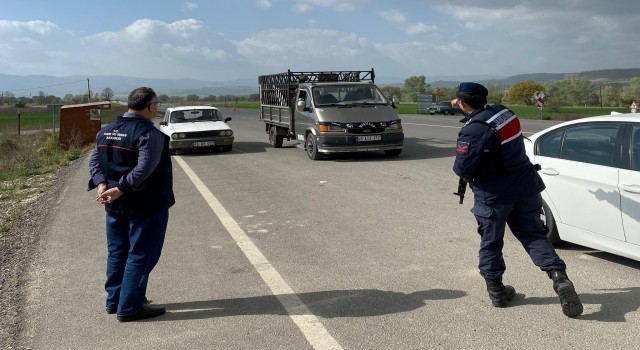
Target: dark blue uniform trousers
x,y
134,245
523,218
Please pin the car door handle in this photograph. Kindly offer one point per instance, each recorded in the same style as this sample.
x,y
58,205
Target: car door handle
x,y
631,188
549,171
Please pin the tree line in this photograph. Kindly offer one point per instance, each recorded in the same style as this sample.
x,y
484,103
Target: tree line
x,y
573,90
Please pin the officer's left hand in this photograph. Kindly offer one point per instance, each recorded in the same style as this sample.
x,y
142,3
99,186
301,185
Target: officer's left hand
x,y
109,196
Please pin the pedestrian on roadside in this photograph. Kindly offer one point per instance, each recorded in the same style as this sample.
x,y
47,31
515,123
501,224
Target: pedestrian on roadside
x,y
131,168
490,156
634,106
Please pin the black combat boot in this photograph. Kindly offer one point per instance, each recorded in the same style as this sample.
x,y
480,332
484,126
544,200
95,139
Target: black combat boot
x,y
499,294
569,300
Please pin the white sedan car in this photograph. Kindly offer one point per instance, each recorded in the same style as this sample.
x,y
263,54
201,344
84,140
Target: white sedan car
x,y
591,167
193,127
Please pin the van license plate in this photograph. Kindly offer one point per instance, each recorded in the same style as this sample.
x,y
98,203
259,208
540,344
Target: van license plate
x,y
204,143
368,138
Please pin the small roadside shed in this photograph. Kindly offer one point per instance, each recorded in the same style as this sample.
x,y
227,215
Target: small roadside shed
x,y
80,123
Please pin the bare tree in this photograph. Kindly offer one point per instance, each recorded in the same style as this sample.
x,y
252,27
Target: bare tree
x,y
106,94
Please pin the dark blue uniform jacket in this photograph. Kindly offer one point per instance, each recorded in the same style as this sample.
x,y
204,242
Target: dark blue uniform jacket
x,y
133,155
490,151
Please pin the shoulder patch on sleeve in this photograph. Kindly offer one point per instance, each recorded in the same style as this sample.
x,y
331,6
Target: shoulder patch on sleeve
x,y
462,147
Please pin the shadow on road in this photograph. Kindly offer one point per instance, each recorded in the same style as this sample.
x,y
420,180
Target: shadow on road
x,y
328,304
614,303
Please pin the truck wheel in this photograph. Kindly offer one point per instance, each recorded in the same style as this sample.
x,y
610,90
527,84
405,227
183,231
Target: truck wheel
x,y
393,152
312,147
275,140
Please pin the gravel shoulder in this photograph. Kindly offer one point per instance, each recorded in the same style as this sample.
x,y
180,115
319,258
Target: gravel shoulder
x,y
19,247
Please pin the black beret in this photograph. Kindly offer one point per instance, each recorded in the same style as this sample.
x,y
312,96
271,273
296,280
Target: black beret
x,y
472,89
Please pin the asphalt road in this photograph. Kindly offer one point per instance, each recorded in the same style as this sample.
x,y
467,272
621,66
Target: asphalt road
x,y
267,249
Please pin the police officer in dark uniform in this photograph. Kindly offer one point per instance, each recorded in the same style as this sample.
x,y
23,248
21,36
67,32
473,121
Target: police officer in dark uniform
x,y
490,156
131,168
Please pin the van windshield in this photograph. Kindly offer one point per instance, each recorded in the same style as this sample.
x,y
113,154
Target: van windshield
x,y
347,94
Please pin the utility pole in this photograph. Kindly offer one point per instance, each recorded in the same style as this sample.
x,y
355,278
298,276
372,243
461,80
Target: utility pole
x,y
88,88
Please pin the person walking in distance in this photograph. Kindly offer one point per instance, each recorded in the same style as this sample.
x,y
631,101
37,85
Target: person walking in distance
x,y
634,106
490,156
131,169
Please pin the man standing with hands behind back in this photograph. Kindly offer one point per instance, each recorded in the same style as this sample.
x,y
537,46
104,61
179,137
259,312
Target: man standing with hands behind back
x,y
490,155
131,168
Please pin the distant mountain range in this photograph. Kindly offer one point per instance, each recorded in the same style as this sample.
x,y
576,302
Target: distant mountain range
x,y
31,85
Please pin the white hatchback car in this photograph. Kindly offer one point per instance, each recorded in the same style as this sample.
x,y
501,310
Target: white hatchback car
x,y
591,167
193,127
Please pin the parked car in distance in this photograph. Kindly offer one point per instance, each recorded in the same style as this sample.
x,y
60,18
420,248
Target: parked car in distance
x,y
444,107
591,168
194,127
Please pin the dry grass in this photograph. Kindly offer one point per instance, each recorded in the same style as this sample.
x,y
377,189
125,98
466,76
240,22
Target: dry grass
x,y
28,165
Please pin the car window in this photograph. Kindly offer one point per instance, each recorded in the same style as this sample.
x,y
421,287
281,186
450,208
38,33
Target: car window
x,y
635,148
594,144
195,115
550,144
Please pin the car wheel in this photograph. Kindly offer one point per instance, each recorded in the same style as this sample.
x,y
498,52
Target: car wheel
x,y
550,223
312,147
393,152
275,140
445,112
172,151
227,148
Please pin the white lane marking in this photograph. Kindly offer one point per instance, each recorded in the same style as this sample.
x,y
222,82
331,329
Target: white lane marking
x,y
309,325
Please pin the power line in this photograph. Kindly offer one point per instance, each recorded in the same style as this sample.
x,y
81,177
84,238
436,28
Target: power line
x,y
43,87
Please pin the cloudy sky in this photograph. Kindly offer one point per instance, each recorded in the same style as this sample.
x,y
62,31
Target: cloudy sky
x,y
240,39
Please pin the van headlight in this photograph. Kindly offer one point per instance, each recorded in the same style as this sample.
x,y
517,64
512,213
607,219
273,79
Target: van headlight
x,y
331,127
395,125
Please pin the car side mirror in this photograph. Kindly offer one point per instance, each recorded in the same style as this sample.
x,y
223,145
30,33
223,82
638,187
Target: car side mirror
x,y
163,123
227,119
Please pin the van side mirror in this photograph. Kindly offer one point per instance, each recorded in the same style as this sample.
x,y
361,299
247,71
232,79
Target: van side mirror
x,y
227,119
300,105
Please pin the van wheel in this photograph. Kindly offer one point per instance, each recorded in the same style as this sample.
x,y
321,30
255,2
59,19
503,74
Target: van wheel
x,y
172,151
312,147
275,140
393,152
547,219
227,148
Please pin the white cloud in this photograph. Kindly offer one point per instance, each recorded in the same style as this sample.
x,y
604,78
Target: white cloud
x,y
189,6
38,27
394,16
265,4
420,28
452,48
305,6
305,49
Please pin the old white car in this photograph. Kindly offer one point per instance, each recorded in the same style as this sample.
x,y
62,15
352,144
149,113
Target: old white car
x,y
195,127
591,167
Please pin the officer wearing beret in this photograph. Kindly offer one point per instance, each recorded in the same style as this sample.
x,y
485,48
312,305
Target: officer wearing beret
x,y
490,156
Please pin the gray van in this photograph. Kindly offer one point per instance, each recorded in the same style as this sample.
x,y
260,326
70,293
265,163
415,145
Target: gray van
x,y
329,112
